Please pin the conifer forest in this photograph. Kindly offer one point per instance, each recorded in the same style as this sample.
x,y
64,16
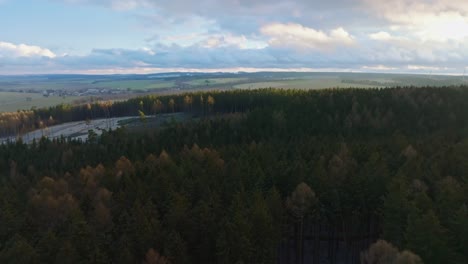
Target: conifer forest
x,y
247,176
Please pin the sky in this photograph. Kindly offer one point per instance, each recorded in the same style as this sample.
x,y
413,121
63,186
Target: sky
x,y
147,36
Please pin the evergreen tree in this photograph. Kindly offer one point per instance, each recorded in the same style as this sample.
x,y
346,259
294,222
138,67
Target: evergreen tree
x,y
427,238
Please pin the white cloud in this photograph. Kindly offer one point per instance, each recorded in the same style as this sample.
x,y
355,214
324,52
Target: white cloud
x,y
435,20
444,26
22,50
339,34
379,68
211,40
230,40
298,36
149,51
382,35
425,68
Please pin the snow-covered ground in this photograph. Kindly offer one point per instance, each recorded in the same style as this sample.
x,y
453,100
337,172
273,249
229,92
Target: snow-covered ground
x,y
74,130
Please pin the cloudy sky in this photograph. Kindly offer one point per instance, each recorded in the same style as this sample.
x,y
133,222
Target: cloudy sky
x,y
143,36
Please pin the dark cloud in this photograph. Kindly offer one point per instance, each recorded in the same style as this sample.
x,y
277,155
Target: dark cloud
x,y
196,57
230,57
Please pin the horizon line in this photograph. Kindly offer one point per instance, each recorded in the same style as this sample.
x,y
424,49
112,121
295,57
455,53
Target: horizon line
x,y
218,71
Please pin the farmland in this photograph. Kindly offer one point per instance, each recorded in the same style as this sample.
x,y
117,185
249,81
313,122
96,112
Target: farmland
x,y
26,92
135,85
317,83
215,81
10,101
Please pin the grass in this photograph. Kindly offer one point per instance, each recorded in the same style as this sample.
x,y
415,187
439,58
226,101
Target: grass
x,y
11,102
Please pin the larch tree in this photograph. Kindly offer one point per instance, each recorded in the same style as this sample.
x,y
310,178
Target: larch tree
x,y
172,105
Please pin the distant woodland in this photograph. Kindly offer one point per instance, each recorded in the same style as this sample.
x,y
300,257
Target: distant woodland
x,y
246,179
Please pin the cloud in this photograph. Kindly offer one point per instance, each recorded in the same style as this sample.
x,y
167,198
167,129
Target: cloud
x,y
120,5
298,36
382,35
22,50
434,20
238,16
227,40
424,68
210,40
378,35
379,68
160,57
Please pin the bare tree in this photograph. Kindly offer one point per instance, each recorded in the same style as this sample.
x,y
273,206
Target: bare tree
x,y
382,252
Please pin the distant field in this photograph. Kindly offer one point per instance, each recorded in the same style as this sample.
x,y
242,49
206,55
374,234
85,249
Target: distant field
x,y
10,102
314,83
87,84
45,85
135,84
258,85
214,81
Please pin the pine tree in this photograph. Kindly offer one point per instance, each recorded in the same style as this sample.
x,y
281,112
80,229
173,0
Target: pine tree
x,y
427,238
395,212
18,251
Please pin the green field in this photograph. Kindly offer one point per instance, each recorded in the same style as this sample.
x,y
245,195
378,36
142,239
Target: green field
x,y
40,84
10,102
313,83
76,84
135,84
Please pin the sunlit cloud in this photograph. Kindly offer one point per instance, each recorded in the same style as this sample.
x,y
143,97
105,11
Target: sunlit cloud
x,y
435,20
382,35
22,50
298,36
379,68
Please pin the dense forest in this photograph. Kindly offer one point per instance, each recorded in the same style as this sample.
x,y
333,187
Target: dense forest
x,y
246,179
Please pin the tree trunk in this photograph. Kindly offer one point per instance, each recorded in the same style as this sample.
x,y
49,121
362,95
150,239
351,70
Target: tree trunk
x,y
301,242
